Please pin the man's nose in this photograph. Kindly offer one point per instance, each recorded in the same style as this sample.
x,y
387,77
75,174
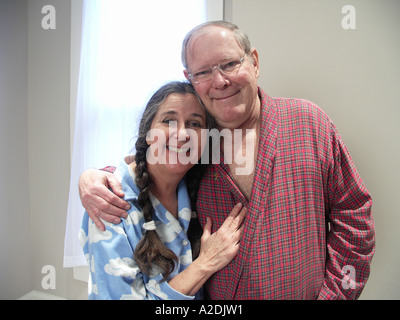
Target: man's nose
x,y
219,80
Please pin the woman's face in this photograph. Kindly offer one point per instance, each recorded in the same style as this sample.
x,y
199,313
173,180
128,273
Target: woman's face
x,y
176,139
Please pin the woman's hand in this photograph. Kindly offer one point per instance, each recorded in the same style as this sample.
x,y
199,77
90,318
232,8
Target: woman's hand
x,y
98,200
219,248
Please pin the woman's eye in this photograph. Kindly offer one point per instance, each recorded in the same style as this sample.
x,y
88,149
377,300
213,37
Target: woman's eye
x,y
167,120
196,124
170,122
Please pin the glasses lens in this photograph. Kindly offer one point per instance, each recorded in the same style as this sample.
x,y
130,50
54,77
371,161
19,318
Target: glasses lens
x,y
230,66
224,68
202,76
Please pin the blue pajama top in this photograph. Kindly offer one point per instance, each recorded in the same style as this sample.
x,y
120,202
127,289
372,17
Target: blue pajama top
x,y
113,271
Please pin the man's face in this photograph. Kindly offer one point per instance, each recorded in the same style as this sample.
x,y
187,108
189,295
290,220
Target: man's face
x,y
231,99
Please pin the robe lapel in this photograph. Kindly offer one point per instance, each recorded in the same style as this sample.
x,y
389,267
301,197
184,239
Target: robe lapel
x,y
259,193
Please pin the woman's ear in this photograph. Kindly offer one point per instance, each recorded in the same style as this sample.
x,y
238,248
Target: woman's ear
x,y
148,141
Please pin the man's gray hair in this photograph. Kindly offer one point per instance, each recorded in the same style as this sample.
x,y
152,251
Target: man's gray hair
x,y
240,36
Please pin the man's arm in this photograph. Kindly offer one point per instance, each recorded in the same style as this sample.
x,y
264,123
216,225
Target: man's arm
x,y
97,198
351,239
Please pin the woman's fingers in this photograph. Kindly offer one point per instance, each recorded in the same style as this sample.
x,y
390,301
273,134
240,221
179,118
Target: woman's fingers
x,y
239,234
236,210
219,248
242,214
235,218
207,228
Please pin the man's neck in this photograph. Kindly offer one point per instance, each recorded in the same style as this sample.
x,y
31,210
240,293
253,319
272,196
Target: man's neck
x,y
251,121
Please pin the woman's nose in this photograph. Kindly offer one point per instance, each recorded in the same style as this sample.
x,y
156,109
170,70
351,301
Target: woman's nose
x,y
179,130
183,134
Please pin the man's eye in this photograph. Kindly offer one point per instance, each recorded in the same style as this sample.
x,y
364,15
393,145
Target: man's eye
x,y
229,66
202,73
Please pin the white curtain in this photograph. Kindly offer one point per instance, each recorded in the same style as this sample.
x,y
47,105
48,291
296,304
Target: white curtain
x,y
129,49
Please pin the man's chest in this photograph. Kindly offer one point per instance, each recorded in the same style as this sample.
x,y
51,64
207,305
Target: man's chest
x,y
243,182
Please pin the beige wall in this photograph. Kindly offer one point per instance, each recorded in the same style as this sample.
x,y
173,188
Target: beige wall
x,y
354,75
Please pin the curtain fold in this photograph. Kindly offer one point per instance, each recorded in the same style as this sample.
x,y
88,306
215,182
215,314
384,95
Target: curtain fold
x,y
129,49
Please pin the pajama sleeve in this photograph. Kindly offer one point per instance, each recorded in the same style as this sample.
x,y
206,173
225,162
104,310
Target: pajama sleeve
x,y
114,275
351,238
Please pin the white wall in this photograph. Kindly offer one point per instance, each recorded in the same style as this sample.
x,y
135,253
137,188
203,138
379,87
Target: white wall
x,y
354,75
34,148
49,144
15,253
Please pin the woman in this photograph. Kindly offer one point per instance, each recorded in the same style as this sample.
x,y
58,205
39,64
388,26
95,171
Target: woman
x,y
156,252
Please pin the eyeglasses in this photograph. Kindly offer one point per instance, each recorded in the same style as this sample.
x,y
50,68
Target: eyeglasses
x,y
226,68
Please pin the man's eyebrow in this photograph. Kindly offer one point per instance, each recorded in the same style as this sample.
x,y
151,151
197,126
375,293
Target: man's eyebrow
x,y
222,61
203,68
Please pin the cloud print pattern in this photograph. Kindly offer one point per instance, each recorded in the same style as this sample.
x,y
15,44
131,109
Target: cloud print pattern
x,y
113,272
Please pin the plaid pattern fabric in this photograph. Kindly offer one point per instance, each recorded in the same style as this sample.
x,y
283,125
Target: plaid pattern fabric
x,y
309,217
110,169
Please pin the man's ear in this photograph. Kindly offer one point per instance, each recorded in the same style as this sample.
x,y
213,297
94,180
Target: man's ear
x,y
186,73
254,57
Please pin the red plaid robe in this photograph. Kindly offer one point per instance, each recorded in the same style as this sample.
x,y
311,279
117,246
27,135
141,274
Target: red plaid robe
x,y
309,217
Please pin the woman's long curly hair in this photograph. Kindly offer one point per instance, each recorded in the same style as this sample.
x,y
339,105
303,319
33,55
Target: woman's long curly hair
x,y
150,250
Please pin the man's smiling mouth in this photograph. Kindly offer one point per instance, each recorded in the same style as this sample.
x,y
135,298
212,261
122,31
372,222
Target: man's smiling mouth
x,y
226,97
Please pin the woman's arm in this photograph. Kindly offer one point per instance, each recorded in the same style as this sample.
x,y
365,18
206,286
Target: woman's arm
x,y
114,275
113,271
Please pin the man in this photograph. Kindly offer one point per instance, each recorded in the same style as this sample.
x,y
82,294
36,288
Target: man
x,y
309,232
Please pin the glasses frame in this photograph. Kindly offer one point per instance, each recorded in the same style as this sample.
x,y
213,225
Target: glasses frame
x,y
217,66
